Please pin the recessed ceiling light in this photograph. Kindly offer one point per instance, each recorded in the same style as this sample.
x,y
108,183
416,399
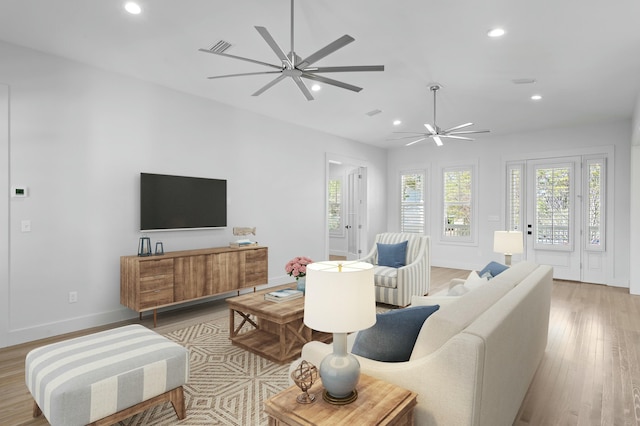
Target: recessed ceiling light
x,y
536,97
133,8
496,32
316,87
397,122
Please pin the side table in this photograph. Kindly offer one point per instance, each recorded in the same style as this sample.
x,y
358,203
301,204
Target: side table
x,y
378,403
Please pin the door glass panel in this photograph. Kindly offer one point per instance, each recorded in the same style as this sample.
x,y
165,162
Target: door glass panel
x,y
595,204
553,207
515,198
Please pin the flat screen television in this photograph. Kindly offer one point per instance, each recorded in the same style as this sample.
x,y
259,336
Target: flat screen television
x,y
180,202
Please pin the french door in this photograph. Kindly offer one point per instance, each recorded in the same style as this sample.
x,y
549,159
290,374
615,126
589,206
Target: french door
x,y
355,214
559,204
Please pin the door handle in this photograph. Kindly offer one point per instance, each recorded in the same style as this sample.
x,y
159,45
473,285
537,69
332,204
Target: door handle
x,y
347,226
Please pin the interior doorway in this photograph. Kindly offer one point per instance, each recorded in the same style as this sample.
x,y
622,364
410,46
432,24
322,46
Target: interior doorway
x,y
346,207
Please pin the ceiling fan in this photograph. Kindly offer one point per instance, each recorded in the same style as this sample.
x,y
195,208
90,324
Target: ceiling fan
x,y
435,132
295,67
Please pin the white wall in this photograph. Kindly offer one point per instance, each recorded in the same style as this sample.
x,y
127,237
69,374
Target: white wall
x,y
79,138
4,210
634,234
490,152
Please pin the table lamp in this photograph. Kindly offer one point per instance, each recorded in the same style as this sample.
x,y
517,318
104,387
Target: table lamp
x,y
507,242
340,299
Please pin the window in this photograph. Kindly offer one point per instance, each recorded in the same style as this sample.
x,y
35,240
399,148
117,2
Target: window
x,y
595,177
458,204
515,197
412,207
335,207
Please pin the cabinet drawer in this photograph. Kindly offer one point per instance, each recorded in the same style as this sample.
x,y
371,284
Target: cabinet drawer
x,y
255,257
157,282
156,267
162,296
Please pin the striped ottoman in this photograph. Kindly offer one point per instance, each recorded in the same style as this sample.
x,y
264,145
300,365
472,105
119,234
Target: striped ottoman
x,y
106,377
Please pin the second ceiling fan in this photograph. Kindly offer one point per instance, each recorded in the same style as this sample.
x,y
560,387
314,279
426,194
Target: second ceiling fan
x,y
295,67
435,132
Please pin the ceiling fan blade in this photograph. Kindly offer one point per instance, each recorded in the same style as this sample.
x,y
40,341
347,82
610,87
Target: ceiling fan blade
x,y
241,58
325,51
245,73
458,127
273,45
430,128
269,85
303,88
409,137
464,132
456,137
414,133
416,141
438,140
354,68
331,81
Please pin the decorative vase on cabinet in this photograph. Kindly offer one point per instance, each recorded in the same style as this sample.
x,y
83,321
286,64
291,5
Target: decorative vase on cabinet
x,y
301,283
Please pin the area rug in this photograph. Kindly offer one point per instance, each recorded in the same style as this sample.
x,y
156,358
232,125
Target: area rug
x,y
227,385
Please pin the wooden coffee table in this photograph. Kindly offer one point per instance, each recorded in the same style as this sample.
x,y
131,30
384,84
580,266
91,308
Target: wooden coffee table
x,y
378,403
278,332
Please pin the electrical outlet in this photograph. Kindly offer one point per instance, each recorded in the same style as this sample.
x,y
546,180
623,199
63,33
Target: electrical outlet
x,y
73,296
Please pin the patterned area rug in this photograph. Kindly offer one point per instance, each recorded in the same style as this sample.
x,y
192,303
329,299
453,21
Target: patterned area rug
x,y
227,385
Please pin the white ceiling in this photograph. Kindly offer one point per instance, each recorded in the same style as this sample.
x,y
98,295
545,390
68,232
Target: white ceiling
x,y
584,54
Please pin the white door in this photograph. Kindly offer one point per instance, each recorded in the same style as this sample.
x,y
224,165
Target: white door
x,y
355,212
554,215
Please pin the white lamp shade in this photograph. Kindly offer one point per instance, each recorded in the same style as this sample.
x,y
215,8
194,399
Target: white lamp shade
x,y
339,299
507,242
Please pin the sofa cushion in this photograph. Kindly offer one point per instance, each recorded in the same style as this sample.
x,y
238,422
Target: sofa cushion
x,y
455,317
392,255
515,274
384,276
392,337
441,300
493,269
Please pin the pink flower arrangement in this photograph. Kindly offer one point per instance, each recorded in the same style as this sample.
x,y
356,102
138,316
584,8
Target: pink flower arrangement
x,y
297,267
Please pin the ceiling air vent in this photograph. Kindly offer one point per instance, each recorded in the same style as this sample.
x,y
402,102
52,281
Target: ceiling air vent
x,y
220,46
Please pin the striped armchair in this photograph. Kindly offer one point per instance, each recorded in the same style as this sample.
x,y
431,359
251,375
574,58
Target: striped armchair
x,y
395,286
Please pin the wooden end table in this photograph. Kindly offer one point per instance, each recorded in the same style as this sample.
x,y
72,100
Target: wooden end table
x,y
278,329
378,403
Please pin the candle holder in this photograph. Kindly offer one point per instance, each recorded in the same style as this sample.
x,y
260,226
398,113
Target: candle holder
x,y
144,246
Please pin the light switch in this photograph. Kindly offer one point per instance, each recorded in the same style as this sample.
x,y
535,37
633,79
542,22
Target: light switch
x,y
26,226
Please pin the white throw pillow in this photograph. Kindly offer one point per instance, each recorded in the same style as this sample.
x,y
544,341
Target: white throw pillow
x,y
474,281
457,290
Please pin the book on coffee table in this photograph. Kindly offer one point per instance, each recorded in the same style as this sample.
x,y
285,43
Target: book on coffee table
x,y
283,295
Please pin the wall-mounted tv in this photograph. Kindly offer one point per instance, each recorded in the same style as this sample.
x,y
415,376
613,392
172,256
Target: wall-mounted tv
x,y
180,202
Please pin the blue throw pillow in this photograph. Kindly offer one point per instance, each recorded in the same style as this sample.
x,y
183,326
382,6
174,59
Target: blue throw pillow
x,y
392,337
493,268
393,255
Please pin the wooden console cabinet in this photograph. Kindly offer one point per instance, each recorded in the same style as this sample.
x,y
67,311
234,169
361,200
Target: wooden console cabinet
x,y
151,282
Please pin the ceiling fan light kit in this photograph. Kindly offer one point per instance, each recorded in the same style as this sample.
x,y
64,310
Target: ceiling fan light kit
x,y
435,132
296,67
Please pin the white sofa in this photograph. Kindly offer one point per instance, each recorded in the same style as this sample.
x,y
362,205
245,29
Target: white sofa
x,y
475,357
396,286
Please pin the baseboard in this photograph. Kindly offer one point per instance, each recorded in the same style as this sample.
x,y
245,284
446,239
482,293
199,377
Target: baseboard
x,y
70,325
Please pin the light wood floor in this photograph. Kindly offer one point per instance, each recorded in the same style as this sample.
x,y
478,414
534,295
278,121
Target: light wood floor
x,y
590,374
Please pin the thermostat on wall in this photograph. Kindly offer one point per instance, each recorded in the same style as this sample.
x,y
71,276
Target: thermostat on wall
x,y
19,191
